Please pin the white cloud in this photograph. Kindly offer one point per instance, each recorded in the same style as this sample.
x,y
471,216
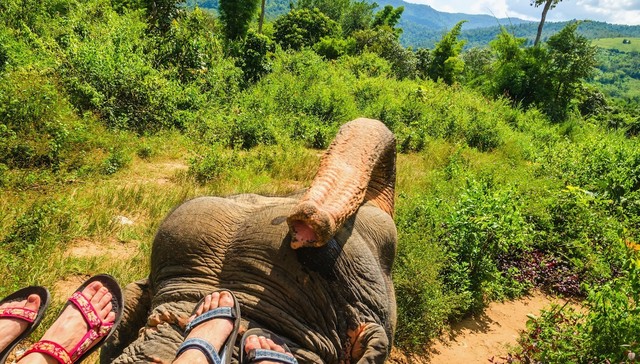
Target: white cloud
x,y
611,11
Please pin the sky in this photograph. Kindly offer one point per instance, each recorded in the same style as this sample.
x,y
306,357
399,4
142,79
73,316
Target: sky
x,y
610,11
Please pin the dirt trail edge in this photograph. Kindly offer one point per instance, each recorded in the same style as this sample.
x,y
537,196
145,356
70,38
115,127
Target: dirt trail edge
x,y
477,339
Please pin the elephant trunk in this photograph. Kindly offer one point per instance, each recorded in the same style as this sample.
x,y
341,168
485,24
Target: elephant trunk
x,y
359,166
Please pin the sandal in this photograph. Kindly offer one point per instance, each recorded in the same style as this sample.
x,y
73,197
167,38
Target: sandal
x,y
98,332
31,316
256,355
226,351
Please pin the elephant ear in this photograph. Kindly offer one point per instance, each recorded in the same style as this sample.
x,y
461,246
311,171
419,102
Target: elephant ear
x,y
359,166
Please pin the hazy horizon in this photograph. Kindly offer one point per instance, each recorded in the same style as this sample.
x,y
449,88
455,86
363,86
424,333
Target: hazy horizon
x,y
610,11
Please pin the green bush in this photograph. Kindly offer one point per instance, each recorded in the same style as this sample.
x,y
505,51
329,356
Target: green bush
x,y
334,48
109,72
35,227
213,164
424,304
255,58
116,160
33,117
487,223
303,28
608,333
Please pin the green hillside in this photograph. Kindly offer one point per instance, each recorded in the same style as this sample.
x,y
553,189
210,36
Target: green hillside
x,y
619,44
423,26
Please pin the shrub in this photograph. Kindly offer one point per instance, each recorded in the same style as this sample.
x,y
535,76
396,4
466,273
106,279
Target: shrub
x,y
486,223
116,160
255,59
212,164
36,226
423,302
303,28
334,48
32,133
608,333
109,72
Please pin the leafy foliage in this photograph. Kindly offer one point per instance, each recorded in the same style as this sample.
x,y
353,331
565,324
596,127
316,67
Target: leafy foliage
x,y
607,333
303,28
550,77
445,64
236,16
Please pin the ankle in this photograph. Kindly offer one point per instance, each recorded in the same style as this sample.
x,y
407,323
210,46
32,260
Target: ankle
x,y
190,356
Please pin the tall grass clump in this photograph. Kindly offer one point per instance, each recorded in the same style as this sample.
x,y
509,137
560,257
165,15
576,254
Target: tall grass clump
x,y
424,305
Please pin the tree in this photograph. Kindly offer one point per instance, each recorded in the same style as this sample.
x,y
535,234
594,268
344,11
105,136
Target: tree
x,y
573,59
388,16
262,10
547,77
359,16
445,63
331,8
236,16
477,62
548,5
160,13
384,42
423,61
303,28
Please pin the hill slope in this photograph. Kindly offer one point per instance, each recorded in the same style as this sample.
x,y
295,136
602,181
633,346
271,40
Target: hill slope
x,y
423,26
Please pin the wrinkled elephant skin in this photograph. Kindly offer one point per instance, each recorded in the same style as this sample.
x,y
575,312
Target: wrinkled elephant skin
x,y
315,267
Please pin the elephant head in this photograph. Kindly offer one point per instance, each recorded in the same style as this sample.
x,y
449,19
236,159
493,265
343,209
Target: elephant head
x,y
314,267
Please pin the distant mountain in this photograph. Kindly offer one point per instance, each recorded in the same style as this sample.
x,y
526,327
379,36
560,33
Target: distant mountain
x,y
421,37
427,18
423,26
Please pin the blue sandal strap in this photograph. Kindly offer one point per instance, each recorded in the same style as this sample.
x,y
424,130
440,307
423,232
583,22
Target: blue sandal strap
x,y
207,349
264,354
220,312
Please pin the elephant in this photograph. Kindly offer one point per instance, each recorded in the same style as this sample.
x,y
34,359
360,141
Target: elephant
x,y
313,267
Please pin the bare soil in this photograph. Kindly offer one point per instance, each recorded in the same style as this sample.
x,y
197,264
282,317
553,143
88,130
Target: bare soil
x,y
478,339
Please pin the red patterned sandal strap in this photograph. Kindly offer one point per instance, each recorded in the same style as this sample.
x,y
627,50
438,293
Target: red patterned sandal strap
x,y
51,349
19,313
86,308
88,340
97,330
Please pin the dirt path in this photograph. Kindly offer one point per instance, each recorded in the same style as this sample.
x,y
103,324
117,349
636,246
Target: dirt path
x,y
477,339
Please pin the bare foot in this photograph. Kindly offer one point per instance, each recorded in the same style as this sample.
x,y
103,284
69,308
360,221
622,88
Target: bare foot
x,y
11,328
214,331
260,342
70,326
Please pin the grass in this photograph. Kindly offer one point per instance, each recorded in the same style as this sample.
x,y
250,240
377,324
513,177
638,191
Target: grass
x,y
616,43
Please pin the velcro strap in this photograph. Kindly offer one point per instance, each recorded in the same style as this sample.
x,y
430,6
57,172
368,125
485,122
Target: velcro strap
x,y
207,349
264,354
220,312
51,349
86,308
20,313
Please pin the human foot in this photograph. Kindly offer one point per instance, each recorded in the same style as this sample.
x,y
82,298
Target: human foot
x,y
86,320
265,347
20,314
214,323
10,326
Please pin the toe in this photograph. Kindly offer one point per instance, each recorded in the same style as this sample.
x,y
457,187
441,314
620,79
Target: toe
x,y
92,288
252,343
275,347
99,295
33,302
226,299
